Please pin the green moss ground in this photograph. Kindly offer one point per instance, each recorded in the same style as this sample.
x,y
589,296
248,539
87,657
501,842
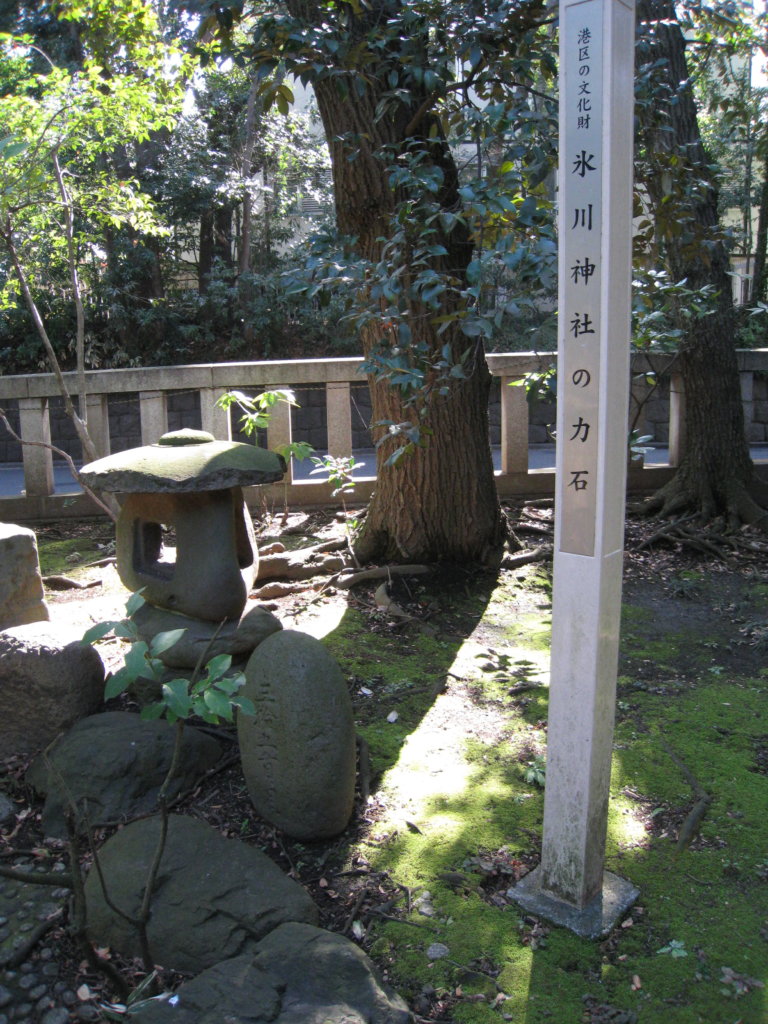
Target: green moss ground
x,y
454,815
70,555
451,788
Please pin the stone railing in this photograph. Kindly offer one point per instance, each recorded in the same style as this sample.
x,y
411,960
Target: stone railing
x,y
135,406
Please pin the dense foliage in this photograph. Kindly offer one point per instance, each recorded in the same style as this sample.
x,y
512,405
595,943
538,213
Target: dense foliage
x,y
190,292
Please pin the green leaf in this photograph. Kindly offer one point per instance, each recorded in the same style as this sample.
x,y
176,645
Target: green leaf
x,y
116,684
231,684
97,632
136,659
126,630
163,641
218,665
153,711
218,703
245,705
134,602
176,697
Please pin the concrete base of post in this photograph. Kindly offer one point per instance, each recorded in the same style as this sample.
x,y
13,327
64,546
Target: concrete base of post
x,y
593,921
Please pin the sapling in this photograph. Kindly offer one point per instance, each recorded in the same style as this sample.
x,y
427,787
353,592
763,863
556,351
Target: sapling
x,y
339,470
256,414
210,694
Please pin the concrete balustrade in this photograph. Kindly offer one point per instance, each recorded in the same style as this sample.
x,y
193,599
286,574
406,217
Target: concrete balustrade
x,y
155,387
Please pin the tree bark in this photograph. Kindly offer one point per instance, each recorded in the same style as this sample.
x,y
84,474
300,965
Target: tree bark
x,y
715,477
758,290
439,502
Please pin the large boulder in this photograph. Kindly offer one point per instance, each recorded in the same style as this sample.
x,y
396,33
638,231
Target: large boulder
x,y
47,682
236,637
21,588
298,975
215,898
111,767
298,750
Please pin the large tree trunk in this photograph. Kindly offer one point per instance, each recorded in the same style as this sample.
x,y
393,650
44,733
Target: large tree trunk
x,y
758,290
715,477
440,501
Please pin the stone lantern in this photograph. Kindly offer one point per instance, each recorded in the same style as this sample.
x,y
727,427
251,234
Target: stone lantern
x,y
191,483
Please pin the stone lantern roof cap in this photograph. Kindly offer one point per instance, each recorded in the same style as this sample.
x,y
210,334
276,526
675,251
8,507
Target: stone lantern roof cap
x,y
184,460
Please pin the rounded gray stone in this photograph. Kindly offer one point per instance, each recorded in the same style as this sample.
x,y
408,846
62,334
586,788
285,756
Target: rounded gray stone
x,y
47,682
298,750
112,766
238,637
215,897
21,587
298,974
56,1015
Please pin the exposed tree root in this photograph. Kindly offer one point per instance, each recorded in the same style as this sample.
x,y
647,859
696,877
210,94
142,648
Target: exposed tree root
x,y
67,583
705,522
299,565
695,816
540,554
380,572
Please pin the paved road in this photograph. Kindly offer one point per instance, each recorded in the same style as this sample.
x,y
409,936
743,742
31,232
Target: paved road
x,y
539,457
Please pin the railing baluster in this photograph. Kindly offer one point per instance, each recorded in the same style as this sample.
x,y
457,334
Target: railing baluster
x,y
676,419
35,425
213,418
339,419
747,386
153,412
98,422
279,431
514,427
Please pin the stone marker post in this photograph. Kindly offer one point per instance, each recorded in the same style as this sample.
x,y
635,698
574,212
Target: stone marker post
x,y
595,230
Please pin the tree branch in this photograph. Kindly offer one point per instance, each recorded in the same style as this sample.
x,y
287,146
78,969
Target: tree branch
x,y
67,458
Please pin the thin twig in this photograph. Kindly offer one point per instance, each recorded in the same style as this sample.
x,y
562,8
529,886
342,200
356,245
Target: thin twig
x,y
43,878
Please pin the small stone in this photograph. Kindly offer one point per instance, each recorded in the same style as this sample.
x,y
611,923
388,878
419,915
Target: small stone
x,y
58,1015
22,1011
27,980
50,970
437,951
37,991
5,996
7,809
87,1012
